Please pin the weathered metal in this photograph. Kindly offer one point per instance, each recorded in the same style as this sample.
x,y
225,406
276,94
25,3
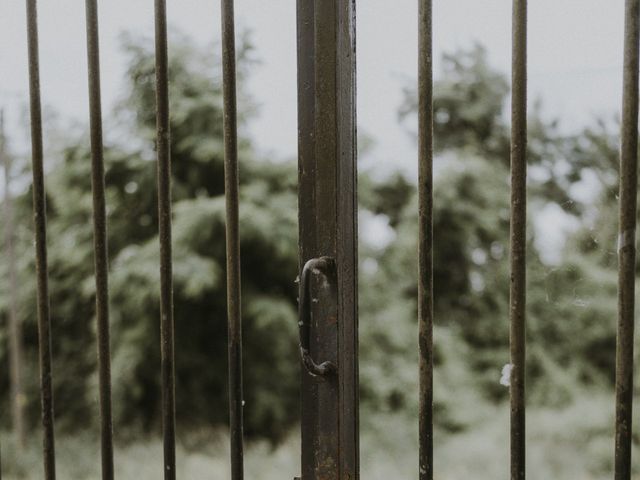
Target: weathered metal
x,y
518,236
328,315
627,243
163,146
100,248
40,224
327,225
425,237
234,315
326,267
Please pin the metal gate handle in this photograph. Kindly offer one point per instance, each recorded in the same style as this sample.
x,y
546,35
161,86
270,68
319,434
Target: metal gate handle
x,y
325,266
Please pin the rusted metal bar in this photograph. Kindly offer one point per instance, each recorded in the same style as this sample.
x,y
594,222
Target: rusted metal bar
x,y
328,227
100,248
627,243
234,316
425,237
40,224
518,240
164,220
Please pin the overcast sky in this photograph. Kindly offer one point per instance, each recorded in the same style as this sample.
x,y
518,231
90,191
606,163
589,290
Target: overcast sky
x,y
575,57
575,66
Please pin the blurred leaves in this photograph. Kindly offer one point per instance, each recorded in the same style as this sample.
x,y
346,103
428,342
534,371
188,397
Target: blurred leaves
x,y
571,304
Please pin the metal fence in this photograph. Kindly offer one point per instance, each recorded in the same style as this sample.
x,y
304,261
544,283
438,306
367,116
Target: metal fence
x,y
328,237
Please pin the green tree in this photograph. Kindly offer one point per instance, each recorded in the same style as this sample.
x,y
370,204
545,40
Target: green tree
x,y
471,234
269,261
471,225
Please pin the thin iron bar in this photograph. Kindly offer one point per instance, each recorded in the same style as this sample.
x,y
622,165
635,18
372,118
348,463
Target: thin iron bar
x,y
100,246
40,223
234,318
164,219
425,240
15,325
518,237
627,243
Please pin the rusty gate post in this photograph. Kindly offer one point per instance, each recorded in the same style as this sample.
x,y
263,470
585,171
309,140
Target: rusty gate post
x,y
328,229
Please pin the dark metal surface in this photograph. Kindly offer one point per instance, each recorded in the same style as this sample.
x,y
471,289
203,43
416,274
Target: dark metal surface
x,y
100,248
518,240
164,220
307,172
327,223
627,243
324,266
425,240
40,224
234,318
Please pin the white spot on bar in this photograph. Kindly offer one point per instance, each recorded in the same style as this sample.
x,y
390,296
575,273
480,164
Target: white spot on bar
x,y
505,379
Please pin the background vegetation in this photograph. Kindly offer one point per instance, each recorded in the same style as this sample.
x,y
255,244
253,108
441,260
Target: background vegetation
x,y
571,304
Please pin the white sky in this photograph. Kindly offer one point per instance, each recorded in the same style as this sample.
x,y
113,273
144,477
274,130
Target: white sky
x,y
575,57
575,63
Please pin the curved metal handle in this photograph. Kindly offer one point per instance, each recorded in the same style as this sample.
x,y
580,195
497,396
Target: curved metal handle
x,y
325,266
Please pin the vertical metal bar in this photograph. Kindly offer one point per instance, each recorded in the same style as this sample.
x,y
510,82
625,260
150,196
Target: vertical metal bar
x,y
627,243
328,227
100,248
346,193
517,294
234,318
15,325
40,221
306,202
425,240
164,219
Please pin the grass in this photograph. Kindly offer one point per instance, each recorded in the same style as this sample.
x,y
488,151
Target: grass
x,y
573,443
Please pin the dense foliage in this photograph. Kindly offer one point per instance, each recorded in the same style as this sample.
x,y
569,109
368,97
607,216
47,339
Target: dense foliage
x,y
571,306
571,298
269,236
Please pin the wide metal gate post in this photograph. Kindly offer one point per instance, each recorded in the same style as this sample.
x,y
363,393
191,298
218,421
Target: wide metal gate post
x,y
328,229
